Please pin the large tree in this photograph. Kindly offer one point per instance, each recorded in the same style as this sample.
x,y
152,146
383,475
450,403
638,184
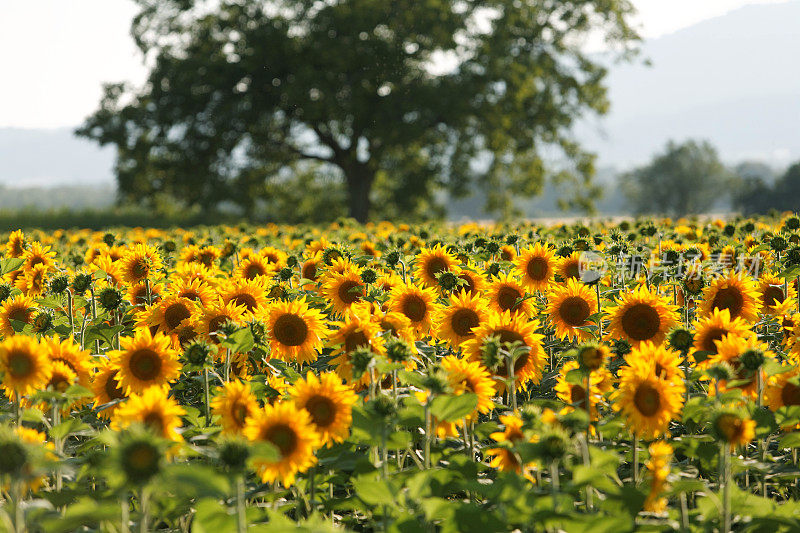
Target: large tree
x,y
396,98
686,178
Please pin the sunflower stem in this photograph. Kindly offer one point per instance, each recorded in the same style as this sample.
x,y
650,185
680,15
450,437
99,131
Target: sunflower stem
x,y
144,502
241,515
599,310
56,420
554,484
635,458
725,476
70,312
94,317
428,425
125,514
511,380
207,397
312,487
227,365
15,496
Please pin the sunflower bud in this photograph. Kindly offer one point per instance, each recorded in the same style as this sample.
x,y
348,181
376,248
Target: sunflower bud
x,y
681,339
793,256
752,360
792,223
369,276
81,283
436,382
169,246
197,355
110,298
140,457
493,270
778,243
285,274
621,348
448,281
398,351
13,455
234,453
5,292
553,444
492,247
564,251
392,258
382,406
59,284
491,357
292,261
42,322
361,358
721,372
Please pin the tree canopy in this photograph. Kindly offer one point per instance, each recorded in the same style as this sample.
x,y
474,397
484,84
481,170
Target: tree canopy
x,y
388,101
756,194
687,178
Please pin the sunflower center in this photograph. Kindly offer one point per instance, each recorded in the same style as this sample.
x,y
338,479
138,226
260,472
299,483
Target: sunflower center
x,y
641,322
175,314
283,437
729,298
254,270
730,425
322,410
309,271
239,413
348,293
59,382
537,268
572,270
434,266
247,300
790,394
469,283
414,307
190,295
145,364
508,336
290,330
647,399
574,311
355,339
507,297
140,267
215,323
577,396
715,334
112,388
21,313
773,295
154,421
20,364
463,321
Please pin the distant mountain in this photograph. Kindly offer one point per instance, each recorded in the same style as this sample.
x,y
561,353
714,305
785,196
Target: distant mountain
x,y
732,80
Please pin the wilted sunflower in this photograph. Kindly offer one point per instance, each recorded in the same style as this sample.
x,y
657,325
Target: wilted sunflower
x,y
328,402
291,431
234,403
432,261
735,292
296,332
417,304
641,315
106,388
454,323
145,361
141,262
24,365
154,409
535,266
506,293
250,293
343,290
470,376
570,306
358,330
18,309
509,329
648,402
712,328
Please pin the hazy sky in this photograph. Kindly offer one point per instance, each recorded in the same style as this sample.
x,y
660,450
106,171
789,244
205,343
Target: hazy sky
x,y
54,54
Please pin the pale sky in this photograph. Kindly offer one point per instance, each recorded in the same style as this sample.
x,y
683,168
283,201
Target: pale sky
x,y
55,54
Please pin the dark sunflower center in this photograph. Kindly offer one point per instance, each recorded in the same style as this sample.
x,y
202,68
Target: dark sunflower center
x,y
647,399
290,330
145,364
21,313
729,298
350,291
239,413
59,382
283,437
463,321
215,323
414,307
730,425
715,334
572,270
507,297
470,283
434,266
574,311
245,299
790,394
112,388
190,295
773,295
20,364
355,339
322,410
254,270
641,322
508,336
577,396
537,268
175,314
140,267
154,421
309,271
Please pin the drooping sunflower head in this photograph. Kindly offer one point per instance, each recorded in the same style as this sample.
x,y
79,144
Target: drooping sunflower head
x,y
290,430
24,365
536,266
570,306
735,292
328,402
296,332
641,315
465,312
432,261
145,361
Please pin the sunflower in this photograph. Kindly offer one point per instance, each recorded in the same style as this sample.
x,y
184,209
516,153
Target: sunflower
x,y
393,323
24,365
648,402
432,261
274,256
33,282
112,271
782,390
503,458
296,332
570,307
291,430
234,403
417,304
277,388
507,253
454,323
70,353
535,266
506,293
154,409
37,254
735,350
666,362
196,290
205,255
17,310
253,267
641,315
16,244
141,263
358,330
774,300
343,290
310,268
106,388
569,267
510,328
733,427
470,376
710,329
734,292
328,402
145,361
137,293
250,293
574,394
474,282
658,468
215,315
170,313
191,271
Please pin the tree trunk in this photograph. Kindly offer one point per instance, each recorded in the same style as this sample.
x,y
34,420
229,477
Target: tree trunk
x,y
359,185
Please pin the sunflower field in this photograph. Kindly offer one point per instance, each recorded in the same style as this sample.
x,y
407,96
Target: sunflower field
x,y
627,376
